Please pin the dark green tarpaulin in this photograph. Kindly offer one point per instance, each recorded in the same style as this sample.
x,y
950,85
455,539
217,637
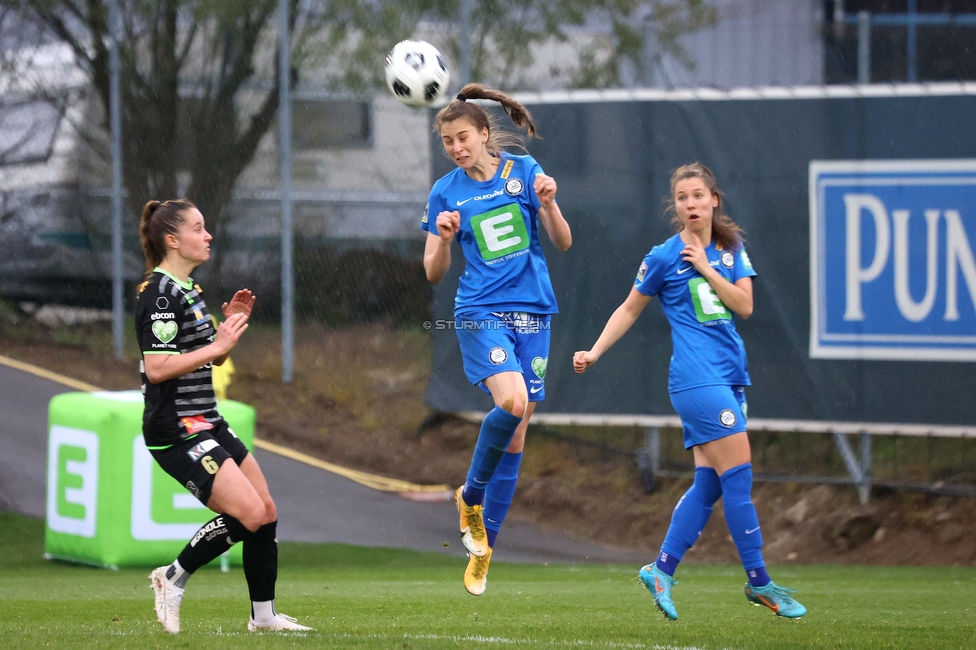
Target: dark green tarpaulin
x,y
613,161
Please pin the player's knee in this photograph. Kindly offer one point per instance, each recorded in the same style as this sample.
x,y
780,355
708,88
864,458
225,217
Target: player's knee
x,y
270,510
514,404
254,515
519,403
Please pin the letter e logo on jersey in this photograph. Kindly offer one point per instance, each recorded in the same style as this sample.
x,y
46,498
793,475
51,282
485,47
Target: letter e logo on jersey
x,y
500,232
727,417
708,306
497,355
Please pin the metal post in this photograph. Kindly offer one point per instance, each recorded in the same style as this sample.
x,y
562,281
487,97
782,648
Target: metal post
x,y
465,41
649,458
115,122
864,489
912,42
653,441
863,47
284,123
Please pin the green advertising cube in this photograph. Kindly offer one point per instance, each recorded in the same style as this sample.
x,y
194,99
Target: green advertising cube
x,y
108,502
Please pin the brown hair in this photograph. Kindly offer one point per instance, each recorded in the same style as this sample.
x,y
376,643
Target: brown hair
x,y
158,220
725,233
498,139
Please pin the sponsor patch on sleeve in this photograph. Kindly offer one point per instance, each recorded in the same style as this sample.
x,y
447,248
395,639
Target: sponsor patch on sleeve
x,y
641,272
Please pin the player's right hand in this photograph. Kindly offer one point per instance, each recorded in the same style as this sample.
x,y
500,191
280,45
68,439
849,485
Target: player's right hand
x,y
448,224
583,359
229,332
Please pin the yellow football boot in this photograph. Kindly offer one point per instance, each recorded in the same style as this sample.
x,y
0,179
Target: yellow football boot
x,y
472,525
476,574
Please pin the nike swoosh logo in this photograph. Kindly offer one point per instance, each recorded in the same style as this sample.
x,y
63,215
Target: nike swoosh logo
x,y
685,270
772,606
460,203
750,532
536,390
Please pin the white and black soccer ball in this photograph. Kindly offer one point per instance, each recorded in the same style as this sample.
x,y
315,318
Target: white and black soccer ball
x,y
416,73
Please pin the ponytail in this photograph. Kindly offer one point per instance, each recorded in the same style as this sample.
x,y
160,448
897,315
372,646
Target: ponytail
x,y
158,220
460,108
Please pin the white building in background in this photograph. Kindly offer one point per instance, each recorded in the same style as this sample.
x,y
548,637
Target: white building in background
x,y
754,43
360,166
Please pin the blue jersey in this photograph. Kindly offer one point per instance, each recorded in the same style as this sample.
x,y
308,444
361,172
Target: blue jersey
x,y
707,349
505,269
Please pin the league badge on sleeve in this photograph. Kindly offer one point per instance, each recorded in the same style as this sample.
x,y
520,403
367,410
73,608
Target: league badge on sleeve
x,y
746,262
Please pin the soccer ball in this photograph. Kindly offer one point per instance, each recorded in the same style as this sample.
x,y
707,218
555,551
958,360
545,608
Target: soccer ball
x,y
416,73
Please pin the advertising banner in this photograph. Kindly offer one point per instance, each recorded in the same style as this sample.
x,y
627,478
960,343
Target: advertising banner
x,y
108,502
892,272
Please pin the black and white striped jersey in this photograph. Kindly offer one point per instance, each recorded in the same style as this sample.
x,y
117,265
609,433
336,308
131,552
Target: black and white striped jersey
x,y
172,318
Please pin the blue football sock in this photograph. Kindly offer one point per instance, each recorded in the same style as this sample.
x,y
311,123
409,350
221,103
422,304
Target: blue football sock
x,y
501,490
667,563
758,577
740,515
497,430
472,495
689,518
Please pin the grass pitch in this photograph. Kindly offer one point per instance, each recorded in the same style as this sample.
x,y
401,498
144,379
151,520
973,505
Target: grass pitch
x,y
379,598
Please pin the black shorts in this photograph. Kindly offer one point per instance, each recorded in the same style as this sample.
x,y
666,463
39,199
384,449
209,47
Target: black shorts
x,y
195,462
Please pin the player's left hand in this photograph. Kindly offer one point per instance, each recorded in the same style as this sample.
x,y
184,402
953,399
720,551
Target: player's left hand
x,y
241,303
694,254
545,188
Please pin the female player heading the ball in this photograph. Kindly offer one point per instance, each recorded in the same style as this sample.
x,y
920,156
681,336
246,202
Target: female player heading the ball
x,y
703,275
181,425
493,204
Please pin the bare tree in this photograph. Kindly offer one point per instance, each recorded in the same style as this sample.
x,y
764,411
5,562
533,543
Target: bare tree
x,y
613,36
199,82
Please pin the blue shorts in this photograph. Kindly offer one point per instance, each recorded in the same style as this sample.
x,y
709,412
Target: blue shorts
x,y
710,412
494,342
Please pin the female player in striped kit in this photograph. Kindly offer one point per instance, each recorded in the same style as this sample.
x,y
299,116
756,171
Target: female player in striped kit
x,y
493,204
703,276
182,428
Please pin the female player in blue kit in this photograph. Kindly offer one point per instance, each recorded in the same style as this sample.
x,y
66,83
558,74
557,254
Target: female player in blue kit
x,y
703,276
493,204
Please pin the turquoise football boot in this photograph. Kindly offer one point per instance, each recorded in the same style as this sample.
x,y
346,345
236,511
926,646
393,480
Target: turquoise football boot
x,y
659,584
779,599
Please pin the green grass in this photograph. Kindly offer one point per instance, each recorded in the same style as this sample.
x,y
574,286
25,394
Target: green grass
x,y
379,598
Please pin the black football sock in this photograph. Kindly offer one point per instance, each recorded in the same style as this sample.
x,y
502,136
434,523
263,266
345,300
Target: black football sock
x,y
261,563
215,537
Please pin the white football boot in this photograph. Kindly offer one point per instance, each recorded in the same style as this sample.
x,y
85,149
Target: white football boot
x,y
168,599
281,623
